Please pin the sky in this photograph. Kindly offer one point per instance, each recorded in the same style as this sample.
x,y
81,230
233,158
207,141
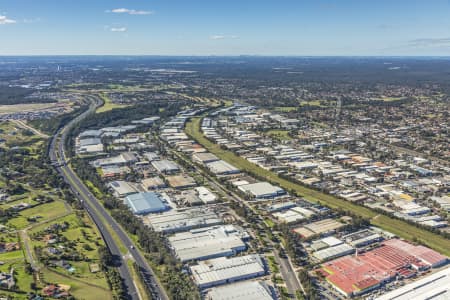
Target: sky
x,y
225,27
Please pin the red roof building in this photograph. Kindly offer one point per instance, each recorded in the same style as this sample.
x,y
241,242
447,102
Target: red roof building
x,y
355,275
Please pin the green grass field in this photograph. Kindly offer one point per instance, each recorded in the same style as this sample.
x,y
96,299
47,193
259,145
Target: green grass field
x,y
23,280
72,219
13,255
269,222
317,103
79,289
74,233
285,108
398,227
15,200
45,211
82,277
108,104
14,135
16,260
279,134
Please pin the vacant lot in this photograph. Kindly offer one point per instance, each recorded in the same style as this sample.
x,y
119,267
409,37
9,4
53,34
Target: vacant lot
x,y
42,212
397,227
79,289
108,105
279,134
13,135
6,109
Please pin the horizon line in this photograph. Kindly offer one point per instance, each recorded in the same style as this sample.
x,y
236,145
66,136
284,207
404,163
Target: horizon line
x,y
226,55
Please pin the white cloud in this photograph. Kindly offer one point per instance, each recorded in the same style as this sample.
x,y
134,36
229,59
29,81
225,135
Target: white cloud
x,y
222,37
217,37
4,20
130,11
118,29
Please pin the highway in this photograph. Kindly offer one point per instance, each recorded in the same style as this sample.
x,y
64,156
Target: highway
x,y
101,217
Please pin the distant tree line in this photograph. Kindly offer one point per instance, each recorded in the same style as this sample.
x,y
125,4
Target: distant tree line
x,y
19,95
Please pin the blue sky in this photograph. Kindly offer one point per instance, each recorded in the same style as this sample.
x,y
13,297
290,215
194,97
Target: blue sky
x,y
225,27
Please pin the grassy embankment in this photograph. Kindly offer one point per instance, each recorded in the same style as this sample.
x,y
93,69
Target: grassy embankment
x,y
108,105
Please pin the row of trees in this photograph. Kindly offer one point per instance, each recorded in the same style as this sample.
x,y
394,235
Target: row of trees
x,y
108,266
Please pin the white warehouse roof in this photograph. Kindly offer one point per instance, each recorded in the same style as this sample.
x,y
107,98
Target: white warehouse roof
x,y
333,252
210,242
205,195
247,290
262,189
165,166
435,286
183,220
224,270
221,167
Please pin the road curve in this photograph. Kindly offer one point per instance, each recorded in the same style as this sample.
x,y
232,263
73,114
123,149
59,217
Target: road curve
x,y
101,217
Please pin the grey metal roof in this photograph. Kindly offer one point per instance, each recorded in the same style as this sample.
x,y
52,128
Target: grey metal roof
x,y
146,202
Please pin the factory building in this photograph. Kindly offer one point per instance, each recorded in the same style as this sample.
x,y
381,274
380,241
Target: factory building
x,y
209,242
205,195
165,166
435,286
221,167
122,159
223,270
144,203
122,188
204,158
152,183
262,190
359,274
362,238
183,220
333,252
247,290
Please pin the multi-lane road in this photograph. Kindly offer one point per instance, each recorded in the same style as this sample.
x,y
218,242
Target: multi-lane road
x,y
114,236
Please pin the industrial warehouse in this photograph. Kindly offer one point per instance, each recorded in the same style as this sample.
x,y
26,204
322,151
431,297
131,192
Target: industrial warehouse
x,y
435,286
221,167
183,220
165,166
247,290
209,242
223,270
262,190
361,273
144,203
